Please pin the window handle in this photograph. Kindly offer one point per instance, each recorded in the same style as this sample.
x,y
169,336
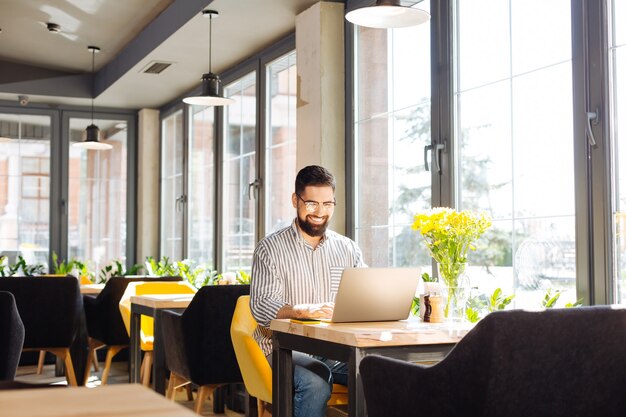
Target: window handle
x,y
593,118
253,185
438,147
179,202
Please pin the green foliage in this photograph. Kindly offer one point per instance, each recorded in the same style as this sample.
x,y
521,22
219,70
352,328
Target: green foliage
x,y
550,298
4,266
415,306
479,307
497,301
117,269
427,278
162,268
21,267
198,276
471,315
243,278
63,267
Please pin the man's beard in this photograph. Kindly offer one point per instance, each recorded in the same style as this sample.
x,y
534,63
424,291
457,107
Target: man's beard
x,y
314,230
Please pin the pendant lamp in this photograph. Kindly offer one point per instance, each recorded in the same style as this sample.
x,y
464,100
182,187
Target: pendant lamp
x,y
92,132
387,14
211,94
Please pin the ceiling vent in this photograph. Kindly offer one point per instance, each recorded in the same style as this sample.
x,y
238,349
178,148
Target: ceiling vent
x,y
155,67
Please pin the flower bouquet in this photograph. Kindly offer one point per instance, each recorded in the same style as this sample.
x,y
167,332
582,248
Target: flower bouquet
x,y
449,235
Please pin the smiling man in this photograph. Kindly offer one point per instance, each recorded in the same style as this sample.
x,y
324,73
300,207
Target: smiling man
x,y
295,274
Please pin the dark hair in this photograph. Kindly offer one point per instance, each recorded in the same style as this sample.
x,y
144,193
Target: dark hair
x,y
314,175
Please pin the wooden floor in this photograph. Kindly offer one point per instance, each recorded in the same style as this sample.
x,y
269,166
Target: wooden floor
x,y
118,375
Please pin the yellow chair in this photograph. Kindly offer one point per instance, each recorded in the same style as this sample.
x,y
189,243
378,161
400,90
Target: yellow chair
x,y
255,369
147,323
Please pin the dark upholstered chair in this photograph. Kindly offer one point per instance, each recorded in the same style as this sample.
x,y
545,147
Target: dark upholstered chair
x,y
11,336
50,310
104,321
561,362
198,347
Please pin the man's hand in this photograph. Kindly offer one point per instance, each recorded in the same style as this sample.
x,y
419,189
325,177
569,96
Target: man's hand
x,y
306,311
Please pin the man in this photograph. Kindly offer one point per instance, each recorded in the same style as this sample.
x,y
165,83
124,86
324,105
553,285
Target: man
x,y
295,274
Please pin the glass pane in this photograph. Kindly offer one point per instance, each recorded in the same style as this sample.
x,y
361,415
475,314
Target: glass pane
x,y
239,170
617,56
97,195
541,34
172,193
201,213
281,142
515,147
392,81
25,187
483,49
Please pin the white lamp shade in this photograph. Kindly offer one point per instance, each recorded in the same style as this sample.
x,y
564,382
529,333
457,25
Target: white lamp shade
x,y
387,16
91,141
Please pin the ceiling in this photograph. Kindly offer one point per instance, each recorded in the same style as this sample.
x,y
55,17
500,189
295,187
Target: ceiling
x,y
55,68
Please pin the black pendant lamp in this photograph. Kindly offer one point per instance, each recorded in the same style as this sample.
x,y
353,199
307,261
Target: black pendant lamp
x,y
92,132
211,84
387,14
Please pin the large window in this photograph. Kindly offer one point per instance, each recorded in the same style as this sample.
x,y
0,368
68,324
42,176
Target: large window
x,y
201,205
57,198
97,195
505,131
280,143
514,144
25,187
617,65
173,197
392,127
227,172
239,170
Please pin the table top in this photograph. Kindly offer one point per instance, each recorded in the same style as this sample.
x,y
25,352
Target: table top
x,y
91,288
163,300
375,334
105,401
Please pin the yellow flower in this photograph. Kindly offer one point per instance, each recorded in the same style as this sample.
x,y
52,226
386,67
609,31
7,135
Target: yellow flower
x,y
449,234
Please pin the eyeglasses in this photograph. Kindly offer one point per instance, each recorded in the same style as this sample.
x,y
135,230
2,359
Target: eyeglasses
x,y
313,206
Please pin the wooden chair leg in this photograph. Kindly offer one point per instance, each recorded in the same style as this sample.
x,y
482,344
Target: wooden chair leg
x,y
96,368
189,394
204,392
40,362
146,367
111,352
262,409
175,383
90,358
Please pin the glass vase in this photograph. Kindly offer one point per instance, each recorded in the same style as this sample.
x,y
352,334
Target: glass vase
x,y
456,292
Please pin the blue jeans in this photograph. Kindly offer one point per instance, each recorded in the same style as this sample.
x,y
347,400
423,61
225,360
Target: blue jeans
x,y
312,383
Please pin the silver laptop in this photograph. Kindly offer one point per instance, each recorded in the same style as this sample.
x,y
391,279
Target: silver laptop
x,y
375,294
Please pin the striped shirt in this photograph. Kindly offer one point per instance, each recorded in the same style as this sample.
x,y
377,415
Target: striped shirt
x,y
288,270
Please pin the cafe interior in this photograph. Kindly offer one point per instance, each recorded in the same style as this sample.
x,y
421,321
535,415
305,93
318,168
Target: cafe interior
x,y
147,146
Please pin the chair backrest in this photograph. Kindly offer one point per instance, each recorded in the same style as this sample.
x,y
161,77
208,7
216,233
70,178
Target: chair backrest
x,y
49,309
11,336
255,369
205,325
558,362
144,288
104,321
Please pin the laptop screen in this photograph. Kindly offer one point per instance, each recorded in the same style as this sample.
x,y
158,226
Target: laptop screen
x,y
375,294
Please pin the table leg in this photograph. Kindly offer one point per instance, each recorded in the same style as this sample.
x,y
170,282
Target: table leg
x,y
356,397
134,358
282,381
159,367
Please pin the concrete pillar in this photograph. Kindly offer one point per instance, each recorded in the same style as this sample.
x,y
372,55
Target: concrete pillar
x,y
320,106
148,184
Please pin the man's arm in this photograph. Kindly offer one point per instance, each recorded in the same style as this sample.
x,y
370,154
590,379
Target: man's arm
x,y
266,288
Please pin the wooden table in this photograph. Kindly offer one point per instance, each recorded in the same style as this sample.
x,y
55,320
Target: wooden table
x,y
410,340
91,288
120,400
149,305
